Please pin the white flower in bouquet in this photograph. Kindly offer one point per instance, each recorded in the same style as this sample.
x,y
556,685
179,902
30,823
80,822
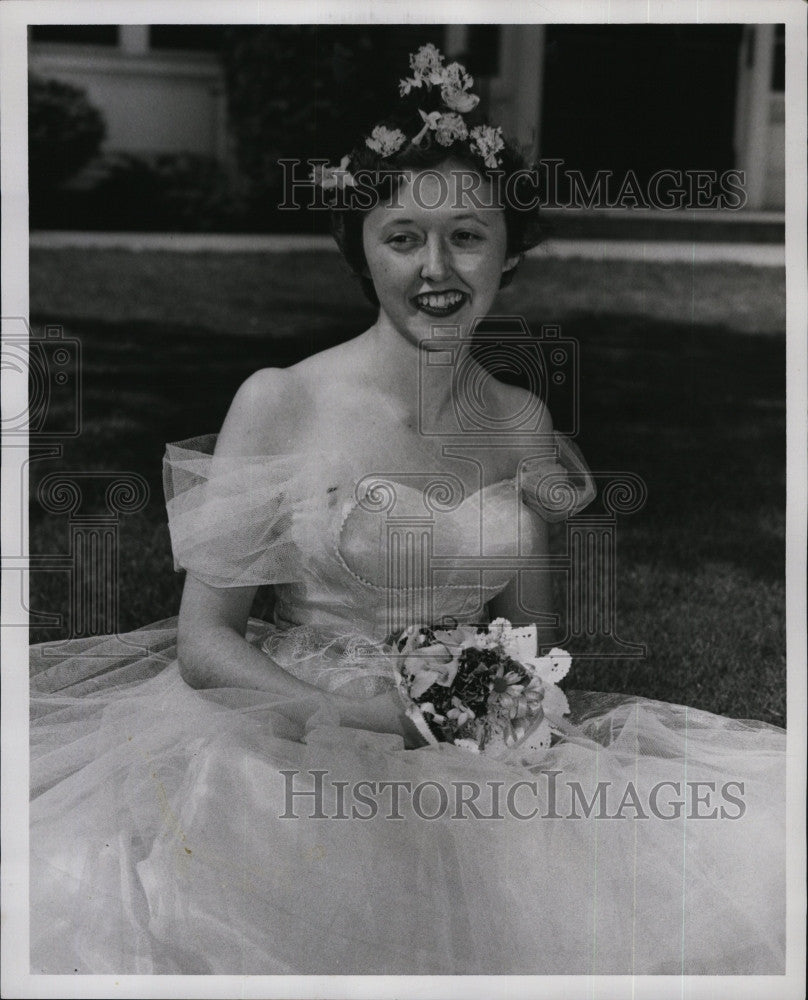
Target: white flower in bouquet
x,y
459,713
486,690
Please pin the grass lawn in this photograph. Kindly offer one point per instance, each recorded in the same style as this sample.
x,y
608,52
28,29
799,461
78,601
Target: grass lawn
x,y
682,382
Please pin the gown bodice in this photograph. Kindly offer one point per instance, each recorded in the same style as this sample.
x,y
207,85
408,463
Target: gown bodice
x,y
345,549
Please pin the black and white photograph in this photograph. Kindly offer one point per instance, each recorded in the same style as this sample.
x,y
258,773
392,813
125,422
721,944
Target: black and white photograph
x,y
404,499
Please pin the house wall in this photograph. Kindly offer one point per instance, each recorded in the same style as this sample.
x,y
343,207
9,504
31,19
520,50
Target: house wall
x,y
152,102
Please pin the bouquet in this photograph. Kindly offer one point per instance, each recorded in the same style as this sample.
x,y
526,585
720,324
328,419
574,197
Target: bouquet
x,y
482,689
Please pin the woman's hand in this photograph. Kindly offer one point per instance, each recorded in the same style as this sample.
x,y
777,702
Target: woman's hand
x,y
382,714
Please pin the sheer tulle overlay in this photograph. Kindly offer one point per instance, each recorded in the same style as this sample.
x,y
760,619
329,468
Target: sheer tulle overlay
x,y
175,831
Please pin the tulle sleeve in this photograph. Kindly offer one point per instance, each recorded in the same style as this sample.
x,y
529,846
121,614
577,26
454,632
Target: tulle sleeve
x,y
558,484
231,519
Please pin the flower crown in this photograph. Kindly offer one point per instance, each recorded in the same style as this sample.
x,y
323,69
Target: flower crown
x,y
448,126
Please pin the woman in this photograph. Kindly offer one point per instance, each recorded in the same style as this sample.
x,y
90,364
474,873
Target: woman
x,y
251,807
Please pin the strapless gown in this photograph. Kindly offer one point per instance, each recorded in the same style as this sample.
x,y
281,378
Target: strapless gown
x,y
205,832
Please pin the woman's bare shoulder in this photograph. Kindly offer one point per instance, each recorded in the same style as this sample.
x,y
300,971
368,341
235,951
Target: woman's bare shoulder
x,y
263,414
275,408
337,362
529,411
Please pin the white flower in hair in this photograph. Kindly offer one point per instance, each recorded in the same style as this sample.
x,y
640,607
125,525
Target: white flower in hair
x,y
453,91
449,128
385,141
427,63
406,85
330,178
427,66
488,141
430,121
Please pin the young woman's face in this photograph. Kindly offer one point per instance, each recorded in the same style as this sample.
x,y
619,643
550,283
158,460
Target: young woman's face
x,y
434,255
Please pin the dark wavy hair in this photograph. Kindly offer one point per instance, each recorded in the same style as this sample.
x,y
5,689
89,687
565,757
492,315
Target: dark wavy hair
x,y
523,226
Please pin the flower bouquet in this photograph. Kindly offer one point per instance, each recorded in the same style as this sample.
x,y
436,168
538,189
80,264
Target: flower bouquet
x,y
482,689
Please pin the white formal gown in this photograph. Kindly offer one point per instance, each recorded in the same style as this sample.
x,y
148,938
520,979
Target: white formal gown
x,y
161,834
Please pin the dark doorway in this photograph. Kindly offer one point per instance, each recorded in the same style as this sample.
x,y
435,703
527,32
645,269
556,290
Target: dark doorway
x,y
640,98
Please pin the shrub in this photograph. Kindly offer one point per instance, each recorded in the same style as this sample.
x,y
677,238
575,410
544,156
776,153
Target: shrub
x,y
65,132
308,91
172,191
175,192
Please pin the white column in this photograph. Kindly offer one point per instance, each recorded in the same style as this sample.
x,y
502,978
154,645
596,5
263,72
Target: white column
x,y
134,39
517,92
752,118
530,84
456,39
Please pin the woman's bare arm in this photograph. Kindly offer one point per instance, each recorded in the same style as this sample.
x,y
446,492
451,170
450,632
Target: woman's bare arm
x,y
212,648
213,652
211,645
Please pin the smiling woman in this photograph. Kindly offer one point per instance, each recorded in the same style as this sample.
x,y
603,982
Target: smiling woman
x,y
434,254
392,492
471,171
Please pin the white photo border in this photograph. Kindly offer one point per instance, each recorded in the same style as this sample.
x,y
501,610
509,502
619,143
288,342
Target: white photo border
x,y
15,15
